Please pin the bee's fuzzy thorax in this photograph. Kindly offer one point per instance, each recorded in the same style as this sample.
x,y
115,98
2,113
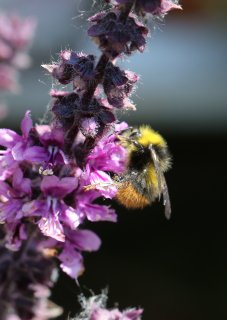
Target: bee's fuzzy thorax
x,y
150,137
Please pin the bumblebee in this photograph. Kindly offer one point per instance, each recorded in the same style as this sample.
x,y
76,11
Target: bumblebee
x,y
148,159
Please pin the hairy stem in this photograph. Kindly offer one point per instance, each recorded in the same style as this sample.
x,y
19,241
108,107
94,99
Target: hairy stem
x,y
99,74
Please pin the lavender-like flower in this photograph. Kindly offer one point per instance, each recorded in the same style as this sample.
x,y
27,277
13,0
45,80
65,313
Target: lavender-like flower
x,y
45,172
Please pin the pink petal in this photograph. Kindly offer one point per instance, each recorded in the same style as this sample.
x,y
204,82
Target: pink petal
x,y
35,154
95,212
26,124
18,151
70,217
51,227
167,5
21,184
72,262
84,240
4,190
103,183
52,185
8,138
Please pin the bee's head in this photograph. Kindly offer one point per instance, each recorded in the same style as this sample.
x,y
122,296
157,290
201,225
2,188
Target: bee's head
x,y
141,141
141,138
150,139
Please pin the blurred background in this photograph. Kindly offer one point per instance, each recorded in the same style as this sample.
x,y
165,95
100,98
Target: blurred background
x,y
174,269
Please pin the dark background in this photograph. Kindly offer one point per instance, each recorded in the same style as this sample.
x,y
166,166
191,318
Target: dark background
x,y
173,269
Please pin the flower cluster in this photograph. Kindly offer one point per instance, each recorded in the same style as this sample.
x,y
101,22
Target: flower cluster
x,y
94,308
40,184
45,172
15,36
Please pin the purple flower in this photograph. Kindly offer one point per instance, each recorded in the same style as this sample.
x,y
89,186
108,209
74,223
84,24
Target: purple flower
x,y
16,31
95,212
71,262
108,155
77,241
15,235
54,212
115,36
52,140
13,198
19,148
70,256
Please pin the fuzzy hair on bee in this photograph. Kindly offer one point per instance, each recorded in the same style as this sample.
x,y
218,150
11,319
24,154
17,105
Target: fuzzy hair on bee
x,y
143,181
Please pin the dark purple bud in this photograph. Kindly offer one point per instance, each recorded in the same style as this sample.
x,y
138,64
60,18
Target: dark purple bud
x,y
72,65
118,85
115,36
64,107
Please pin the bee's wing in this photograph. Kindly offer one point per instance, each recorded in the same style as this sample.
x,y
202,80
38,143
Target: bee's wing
x,y
166,199
157,169
162,185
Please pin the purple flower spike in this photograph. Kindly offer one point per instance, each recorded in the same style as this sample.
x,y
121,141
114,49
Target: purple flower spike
x,y
54,176
115,36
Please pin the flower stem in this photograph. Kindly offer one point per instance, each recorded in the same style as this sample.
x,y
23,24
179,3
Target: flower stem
x,y
99,73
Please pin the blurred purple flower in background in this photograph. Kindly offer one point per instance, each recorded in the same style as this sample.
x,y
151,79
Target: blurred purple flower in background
x,y
15,37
